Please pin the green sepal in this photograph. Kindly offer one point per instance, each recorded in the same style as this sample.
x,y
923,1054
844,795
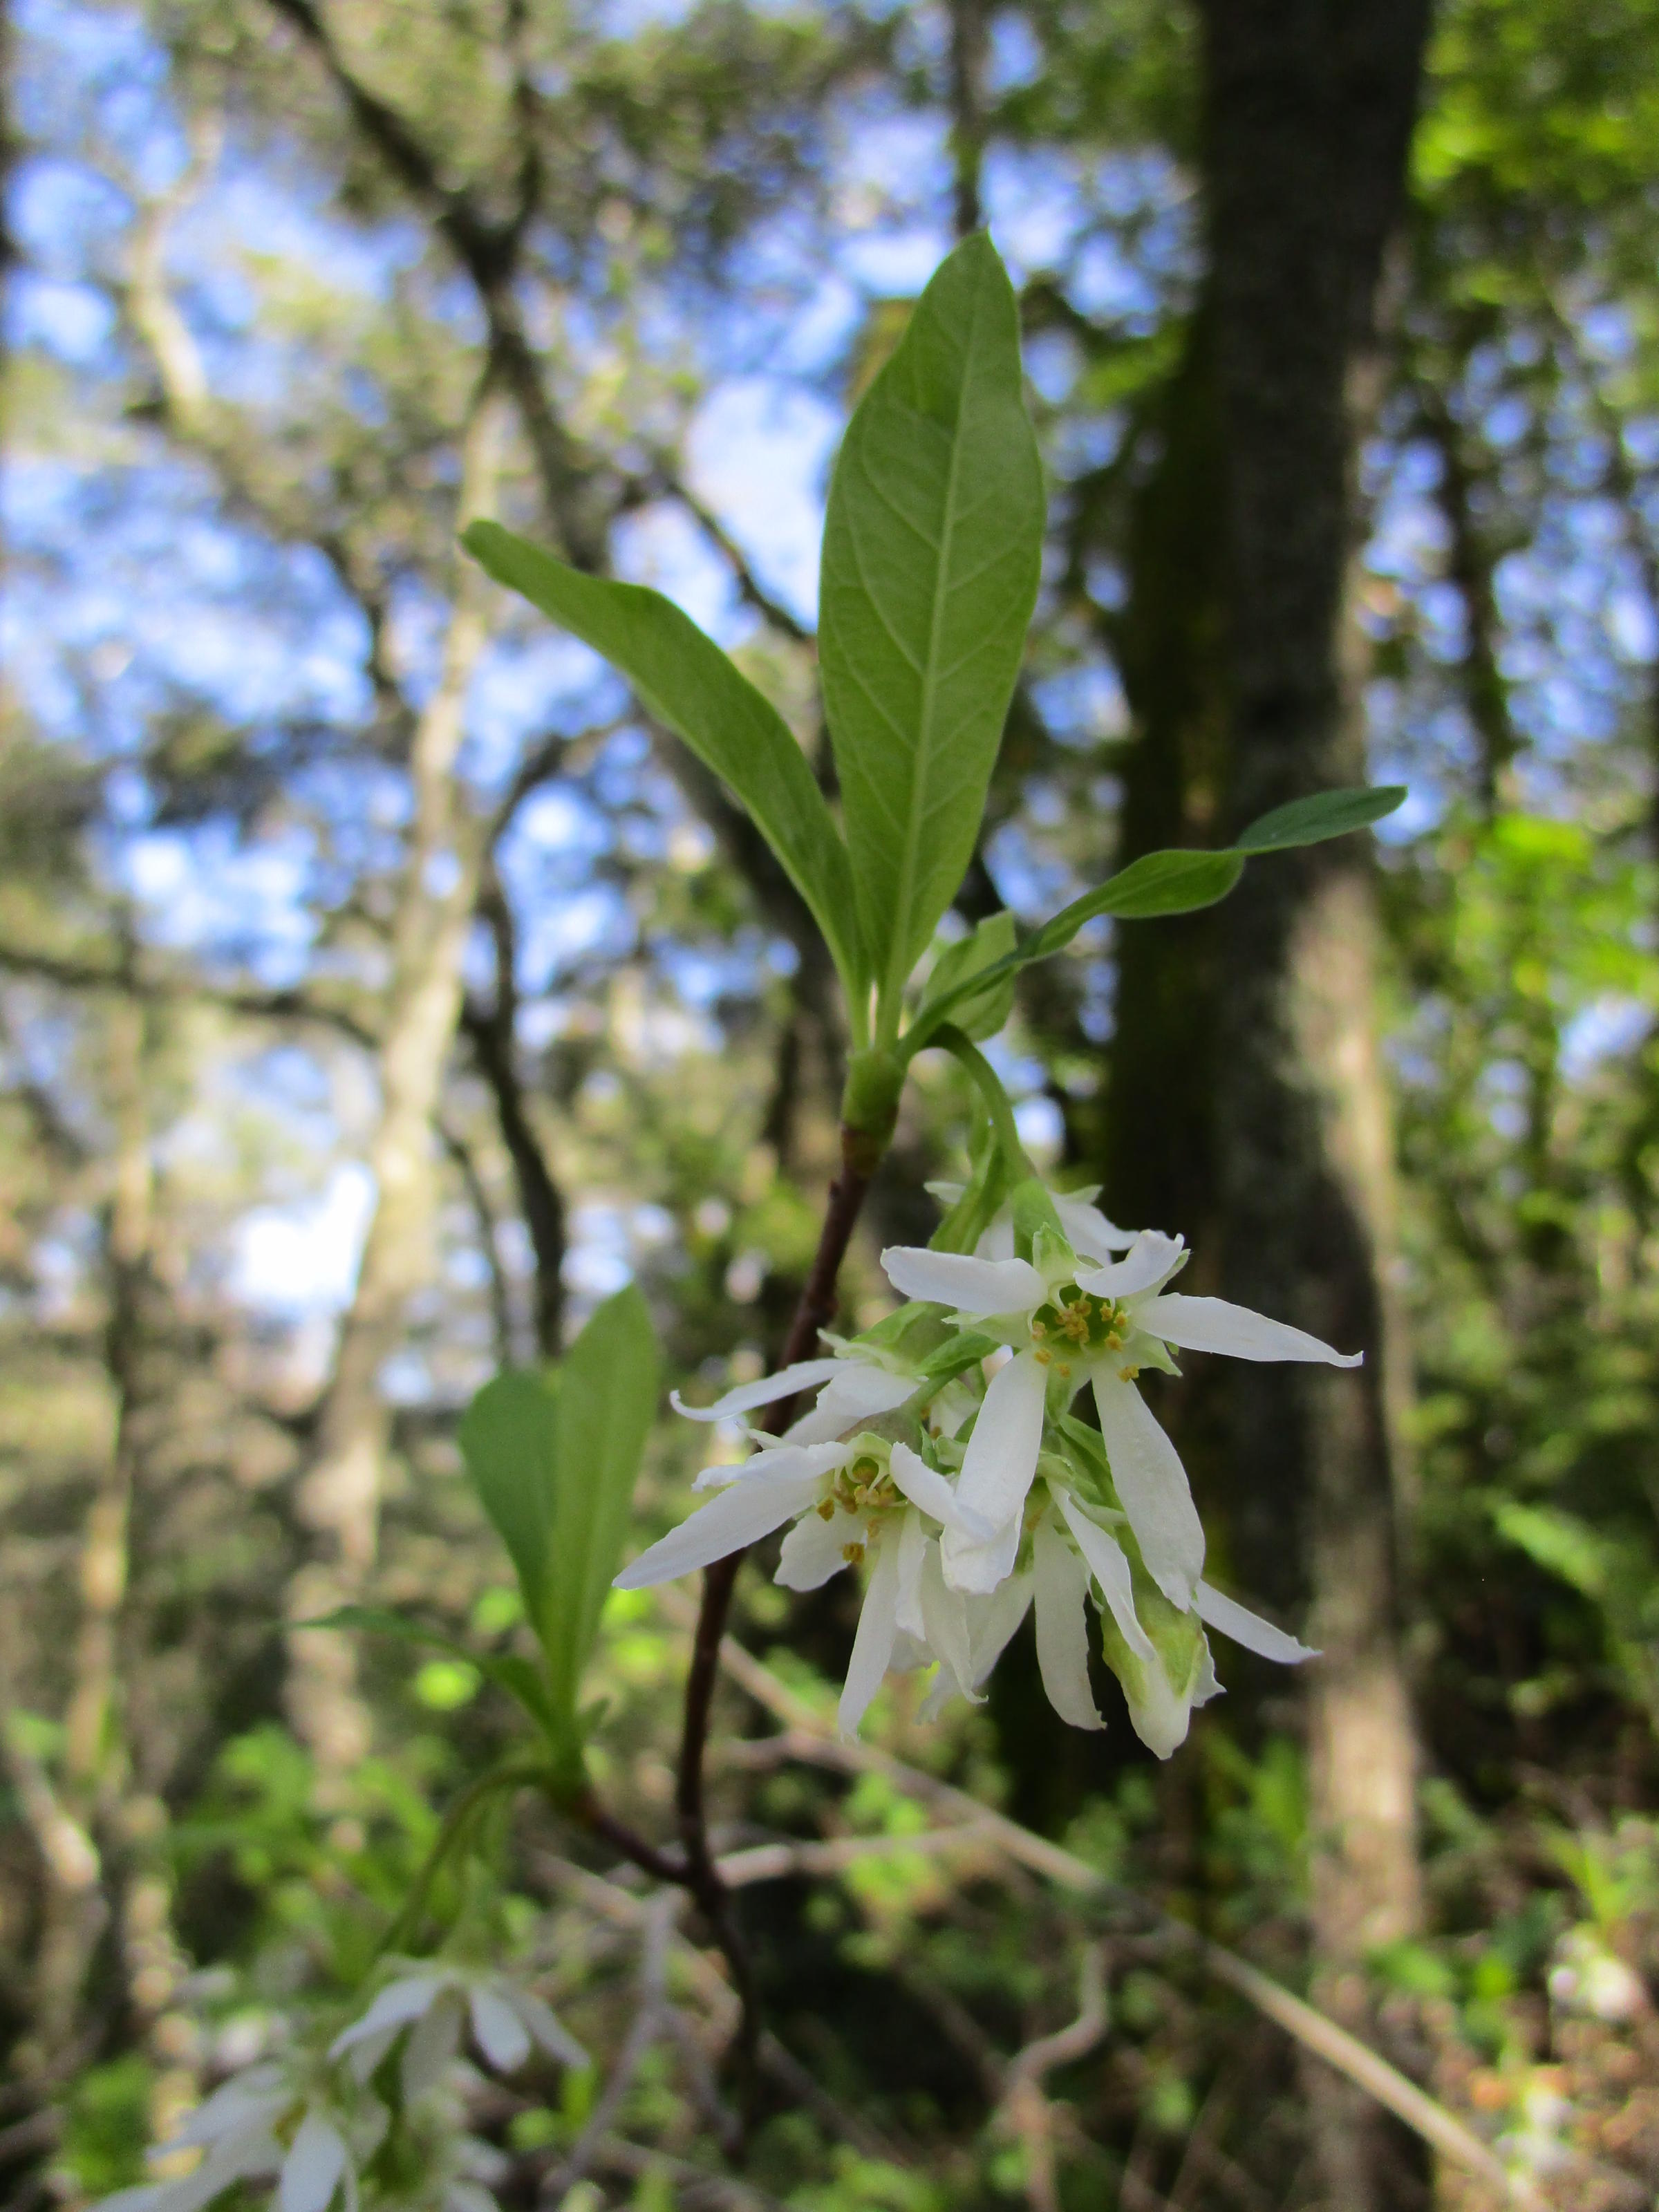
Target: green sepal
x,y
1035,1217
964,1348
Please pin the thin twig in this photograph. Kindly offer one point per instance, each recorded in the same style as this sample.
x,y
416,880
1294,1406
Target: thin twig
x,y
1443,2130
816,1306
650,2017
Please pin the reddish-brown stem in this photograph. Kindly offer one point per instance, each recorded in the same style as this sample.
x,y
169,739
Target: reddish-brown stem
x,y
626,1843
701,1877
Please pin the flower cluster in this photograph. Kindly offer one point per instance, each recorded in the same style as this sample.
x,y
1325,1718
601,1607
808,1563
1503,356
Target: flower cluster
x,y
312,2123
943,1456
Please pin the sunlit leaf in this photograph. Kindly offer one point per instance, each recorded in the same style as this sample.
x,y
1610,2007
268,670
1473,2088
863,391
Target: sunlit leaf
x,y
685,680
931,547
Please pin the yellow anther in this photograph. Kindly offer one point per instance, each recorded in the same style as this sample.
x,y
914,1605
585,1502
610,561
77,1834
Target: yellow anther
x,y
1043,1358
826,1509
1039,1328
853,1553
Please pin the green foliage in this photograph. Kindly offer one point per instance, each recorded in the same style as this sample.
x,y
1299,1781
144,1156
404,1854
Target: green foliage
x,y
685,680
932,546
555,1458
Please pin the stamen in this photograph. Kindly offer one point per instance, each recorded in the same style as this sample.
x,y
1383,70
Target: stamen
x,y
854,1554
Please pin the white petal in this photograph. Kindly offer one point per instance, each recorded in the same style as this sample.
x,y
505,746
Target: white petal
x,y
1150,1260
1002,1452
998,1241
469,2196
739,1517
1109,1564
812,1550
255,2095
776,1460
1062,1627
395,2007
926,1487
991,1622
549,2030
1152,1483
945,1614
500,2034
312,2170
912,1553
977,1566
432,2045
858,1392
805,1374
955,1278
1088,1232
1214,1325
1228,1618
873,1647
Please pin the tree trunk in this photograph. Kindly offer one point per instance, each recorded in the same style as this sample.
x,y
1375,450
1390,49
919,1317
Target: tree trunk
x,y
1310,108
340,1497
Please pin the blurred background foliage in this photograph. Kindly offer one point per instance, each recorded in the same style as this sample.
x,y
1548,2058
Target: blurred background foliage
x,y
378,991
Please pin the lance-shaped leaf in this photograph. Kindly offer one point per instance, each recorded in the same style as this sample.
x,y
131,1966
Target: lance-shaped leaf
x,y
1177,881
683,678
1325,814
932,548
554,1457
607,1401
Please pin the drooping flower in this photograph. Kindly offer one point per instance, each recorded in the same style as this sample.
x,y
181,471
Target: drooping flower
x,y
1069,1324
270,2122
434,2004
866,1500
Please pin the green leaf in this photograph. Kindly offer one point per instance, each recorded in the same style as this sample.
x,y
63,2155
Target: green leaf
x,y
509,1439
685,680
976,1013
1173,881
932,548
1326,814
607,1402
1559,1542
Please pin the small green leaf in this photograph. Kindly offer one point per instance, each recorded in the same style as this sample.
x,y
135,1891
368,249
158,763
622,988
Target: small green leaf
x,y
509,1439
607,1402
932,548
1326,814
1173,881
976,1013
685,680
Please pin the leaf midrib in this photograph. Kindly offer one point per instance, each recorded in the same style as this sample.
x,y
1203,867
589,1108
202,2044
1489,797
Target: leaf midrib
x,y
899,956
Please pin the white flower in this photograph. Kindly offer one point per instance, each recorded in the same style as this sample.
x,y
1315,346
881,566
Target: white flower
x,y
853,1387
1087,1229
266,2122
434,2004
1070,1324
862,1500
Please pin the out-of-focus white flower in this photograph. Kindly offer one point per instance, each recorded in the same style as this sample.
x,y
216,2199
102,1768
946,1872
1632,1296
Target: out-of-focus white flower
x,y
272,2121
433,2004
1587,1977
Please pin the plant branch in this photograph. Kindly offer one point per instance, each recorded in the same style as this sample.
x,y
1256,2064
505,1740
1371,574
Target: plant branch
x,y
810,1734
815,1308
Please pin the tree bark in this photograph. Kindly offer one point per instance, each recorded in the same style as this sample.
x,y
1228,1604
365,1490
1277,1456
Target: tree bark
x,y
339,1498
1310,109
